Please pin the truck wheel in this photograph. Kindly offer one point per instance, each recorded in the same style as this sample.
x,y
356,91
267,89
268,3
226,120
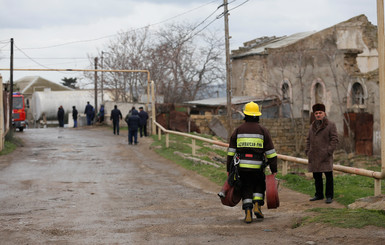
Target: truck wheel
x,y
21,129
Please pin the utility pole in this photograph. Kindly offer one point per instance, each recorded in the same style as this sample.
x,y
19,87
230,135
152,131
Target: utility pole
x,y
381,74
11,88
96,85
102,82
228,78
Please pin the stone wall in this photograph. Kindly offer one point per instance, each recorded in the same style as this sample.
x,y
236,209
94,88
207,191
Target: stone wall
x,y
286,133
202,122
282,131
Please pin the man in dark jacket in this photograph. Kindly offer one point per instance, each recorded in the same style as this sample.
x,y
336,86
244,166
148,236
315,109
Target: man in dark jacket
x,y
60,116
252,144
116,115
321,142
143,122
133,121
75,116
89,111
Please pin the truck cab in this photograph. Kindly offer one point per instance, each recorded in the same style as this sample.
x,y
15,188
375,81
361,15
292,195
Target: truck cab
x,y
18,111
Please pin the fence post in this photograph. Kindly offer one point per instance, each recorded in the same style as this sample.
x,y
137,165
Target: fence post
x,y
159,134
284,168
167,140
377,187
193,147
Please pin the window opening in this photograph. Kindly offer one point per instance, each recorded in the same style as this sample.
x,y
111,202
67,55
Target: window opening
x,y
358,94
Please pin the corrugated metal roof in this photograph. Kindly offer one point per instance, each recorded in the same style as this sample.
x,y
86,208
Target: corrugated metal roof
x,y
275,43
223,101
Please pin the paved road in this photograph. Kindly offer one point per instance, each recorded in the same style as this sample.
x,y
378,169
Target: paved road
x,y
87,186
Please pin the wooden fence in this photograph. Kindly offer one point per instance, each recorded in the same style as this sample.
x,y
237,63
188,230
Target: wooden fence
x,y
286,159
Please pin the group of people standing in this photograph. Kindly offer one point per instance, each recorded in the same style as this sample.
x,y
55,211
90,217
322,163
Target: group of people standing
x,y
136,121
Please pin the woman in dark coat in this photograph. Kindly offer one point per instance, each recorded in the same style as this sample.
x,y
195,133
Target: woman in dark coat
x,y
321,142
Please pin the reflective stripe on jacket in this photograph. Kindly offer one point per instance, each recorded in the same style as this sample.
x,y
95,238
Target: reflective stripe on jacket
x,y
253,143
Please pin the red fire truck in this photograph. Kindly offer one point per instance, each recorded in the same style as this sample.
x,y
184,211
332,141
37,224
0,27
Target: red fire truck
x,y
18,111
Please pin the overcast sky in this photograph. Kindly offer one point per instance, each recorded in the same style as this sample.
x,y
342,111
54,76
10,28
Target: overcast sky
x,y
62,33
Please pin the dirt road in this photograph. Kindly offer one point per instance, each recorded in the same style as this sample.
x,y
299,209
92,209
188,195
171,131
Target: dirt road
x,y
88,186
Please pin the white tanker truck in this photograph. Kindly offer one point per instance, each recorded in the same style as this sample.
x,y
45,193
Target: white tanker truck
x,y
45,104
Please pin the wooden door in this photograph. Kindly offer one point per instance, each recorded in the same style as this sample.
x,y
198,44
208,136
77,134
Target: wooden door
x,y
361,125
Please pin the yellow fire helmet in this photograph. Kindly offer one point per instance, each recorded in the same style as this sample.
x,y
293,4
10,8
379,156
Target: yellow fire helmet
x,y
252,109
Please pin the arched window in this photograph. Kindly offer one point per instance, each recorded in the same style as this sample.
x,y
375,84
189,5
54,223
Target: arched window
x,y
358,97
286,99
318,93
285,91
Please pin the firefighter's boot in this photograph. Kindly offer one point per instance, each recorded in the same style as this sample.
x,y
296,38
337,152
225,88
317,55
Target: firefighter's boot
x,y
257,211
248,216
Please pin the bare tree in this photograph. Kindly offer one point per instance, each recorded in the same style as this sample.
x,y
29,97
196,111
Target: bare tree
x,y
292,63
339,75
182,62
126,52
188,63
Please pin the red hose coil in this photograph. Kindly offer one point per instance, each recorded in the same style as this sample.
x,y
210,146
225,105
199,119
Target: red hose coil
x,y
272,192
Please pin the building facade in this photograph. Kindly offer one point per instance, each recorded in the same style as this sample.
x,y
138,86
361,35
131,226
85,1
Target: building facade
x,y
337,66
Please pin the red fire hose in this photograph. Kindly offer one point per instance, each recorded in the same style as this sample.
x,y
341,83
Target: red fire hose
x,y
272,192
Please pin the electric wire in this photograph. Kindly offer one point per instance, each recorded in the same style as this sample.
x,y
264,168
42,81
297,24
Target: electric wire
x,y
166,20
112,35
33,60
194,28
218,17
238,5
5,45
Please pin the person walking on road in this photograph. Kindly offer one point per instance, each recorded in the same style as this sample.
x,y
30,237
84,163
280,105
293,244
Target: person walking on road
x,y
116,115
143,122
251,143
89,111
75,116
133,122
321,142
60,116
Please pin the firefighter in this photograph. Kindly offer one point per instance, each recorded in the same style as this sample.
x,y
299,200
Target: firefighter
x,y
252,143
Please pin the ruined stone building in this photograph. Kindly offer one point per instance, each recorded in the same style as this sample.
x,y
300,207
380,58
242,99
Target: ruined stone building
x,y
337,66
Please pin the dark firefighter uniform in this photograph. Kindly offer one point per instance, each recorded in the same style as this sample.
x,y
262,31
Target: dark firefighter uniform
x,y
252,143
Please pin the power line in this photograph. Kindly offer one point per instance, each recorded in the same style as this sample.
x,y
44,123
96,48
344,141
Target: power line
x,y
238,5
38,58
112,35
5,45
26,55
218,17
34,61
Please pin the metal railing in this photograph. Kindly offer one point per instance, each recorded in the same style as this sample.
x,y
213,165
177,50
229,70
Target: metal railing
x,y
285,159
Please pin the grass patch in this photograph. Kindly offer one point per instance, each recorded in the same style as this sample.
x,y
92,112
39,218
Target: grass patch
x,y
10,144
183,144
347,218
347,188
